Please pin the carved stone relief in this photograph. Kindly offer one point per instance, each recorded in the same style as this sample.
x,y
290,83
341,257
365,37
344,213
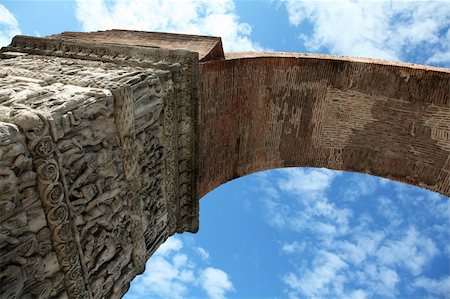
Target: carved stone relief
x,y
28,263
101,148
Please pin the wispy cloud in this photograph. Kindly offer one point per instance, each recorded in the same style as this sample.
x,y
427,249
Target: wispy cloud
x,y
362,186
9,26
306,182
172,273
206,17
203,253
442,55
367,247
357,249
323,274
413,251
381,29
380,280
439,287
387,209
293,247
308,188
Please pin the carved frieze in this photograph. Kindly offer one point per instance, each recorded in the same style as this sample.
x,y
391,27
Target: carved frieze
x,y
28,263
101,140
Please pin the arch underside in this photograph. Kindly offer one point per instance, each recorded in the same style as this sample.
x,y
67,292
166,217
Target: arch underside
x,y
385,119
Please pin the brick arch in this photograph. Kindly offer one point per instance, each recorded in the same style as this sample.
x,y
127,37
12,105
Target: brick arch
x,y
263,111
109,138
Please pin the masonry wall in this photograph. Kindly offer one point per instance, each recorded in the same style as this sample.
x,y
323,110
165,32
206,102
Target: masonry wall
x,y
385,119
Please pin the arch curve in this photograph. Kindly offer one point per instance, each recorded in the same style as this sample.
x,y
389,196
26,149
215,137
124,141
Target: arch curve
x,y
262,111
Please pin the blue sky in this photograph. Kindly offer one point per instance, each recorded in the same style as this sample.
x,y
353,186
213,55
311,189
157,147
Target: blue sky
x,y
292,233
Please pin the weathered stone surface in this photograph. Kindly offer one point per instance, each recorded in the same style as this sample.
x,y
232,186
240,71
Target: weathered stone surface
x,y
207,47
109,139
97,154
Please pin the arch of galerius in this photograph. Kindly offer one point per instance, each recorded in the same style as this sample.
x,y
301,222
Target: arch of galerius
x,y
109,139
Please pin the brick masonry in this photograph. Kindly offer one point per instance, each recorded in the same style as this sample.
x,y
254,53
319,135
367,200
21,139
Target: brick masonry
x,y
263,111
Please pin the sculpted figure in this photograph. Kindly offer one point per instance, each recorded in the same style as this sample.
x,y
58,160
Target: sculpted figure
x,y
40,289
34,268
44,241
33,125
71,150
98,215
17,224
89,162
108,252
6,239
89,249
27,179
12,281
26,245
88,136
107,163
118,285
122,258
97,286
8,182
14,168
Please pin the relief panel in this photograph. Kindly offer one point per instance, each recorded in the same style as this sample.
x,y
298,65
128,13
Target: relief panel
x,y
101,146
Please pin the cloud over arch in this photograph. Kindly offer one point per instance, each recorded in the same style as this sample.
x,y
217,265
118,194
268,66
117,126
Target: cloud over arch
x,y
203,17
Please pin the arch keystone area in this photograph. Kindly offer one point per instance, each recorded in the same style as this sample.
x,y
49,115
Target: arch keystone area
x,y
109,139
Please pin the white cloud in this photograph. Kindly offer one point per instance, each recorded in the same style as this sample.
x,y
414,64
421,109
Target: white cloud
x,y
388,209
309,187
276,213
380,280
369,251
358,294
413,252
380,29
203,253
169,246
317,281
357,249
215,282
302,181
9,27
362,185
293,247
166,277
440,287
171,273
416,197
265,183
442,56
205,17
168,273
389,280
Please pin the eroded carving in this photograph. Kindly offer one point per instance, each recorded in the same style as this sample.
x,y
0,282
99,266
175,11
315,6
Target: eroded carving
x,y
27,260
106,157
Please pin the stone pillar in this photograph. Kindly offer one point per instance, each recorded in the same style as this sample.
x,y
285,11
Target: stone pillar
x,y
97,163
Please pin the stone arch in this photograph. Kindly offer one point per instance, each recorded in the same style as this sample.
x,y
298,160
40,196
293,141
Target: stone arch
x,y
264,110
110,138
